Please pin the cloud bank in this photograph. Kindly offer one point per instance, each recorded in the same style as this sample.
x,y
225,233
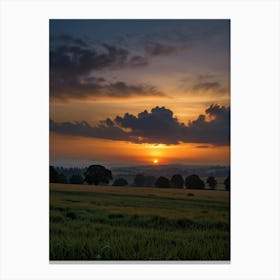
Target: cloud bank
x,y
159,126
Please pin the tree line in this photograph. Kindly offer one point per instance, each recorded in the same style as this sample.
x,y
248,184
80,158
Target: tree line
x,y
98,174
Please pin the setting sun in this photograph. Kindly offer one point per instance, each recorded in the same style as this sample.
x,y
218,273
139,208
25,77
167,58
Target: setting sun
x,y
155,161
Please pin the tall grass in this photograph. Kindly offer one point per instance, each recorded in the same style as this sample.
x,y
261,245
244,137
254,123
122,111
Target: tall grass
x,y
114,224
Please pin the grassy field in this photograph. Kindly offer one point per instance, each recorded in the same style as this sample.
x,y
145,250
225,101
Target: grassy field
x,y
128,223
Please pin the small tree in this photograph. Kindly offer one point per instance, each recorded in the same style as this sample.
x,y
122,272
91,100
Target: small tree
x,y
76,179
177,181
194,182
56,177
227,183
96,174
162,182
212,182
120,182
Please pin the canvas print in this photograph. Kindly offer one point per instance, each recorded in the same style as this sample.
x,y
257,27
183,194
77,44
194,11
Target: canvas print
x,y
139,166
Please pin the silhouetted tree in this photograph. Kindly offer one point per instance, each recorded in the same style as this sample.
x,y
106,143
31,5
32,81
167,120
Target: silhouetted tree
x,y
120,182
177,181
139,180
56,177
227,183
162,182
96,174
53,174
194,182
212,182
76,179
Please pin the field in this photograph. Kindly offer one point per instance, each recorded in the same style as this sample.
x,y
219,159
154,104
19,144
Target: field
x,y
129,223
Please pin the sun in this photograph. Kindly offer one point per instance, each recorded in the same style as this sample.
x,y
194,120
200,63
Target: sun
x,y
155,161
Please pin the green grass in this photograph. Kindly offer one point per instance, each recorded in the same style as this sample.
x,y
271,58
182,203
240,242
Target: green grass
x,y
126,223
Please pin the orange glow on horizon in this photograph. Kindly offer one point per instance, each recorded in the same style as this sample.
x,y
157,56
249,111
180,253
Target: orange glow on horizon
x,y
131,153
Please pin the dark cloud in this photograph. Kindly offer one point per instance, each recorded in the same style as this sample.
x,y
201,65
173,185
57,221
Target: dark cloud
x,y
122,89
103,130
66,60
79,58
71,70
214,131
157,126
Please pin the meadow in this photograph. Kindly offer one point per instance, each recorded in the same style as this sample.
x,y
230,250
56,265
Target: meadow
x,y
133,223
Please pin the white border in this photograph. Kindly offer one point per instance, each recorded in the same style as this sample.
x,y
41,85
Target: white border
x,y
255,138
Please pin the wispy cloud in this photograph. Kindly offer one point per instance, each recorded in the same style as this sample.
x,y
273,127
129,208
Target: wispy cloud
x,y
203,83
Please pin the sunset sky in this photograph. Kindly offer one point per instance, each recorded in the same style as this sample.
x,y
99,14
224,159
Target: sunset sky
x,y
129,92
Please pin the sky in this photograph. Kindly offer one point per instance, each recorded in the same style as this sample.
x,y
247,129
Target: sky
x,y
133,92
